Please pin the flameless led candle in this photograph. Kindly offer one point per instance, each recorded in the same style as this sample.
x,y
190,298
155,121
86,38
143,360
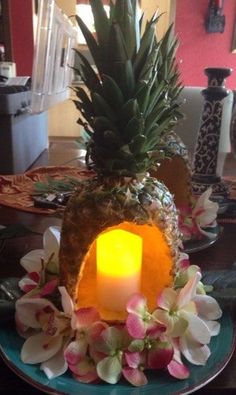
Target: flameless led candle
x,y
119,264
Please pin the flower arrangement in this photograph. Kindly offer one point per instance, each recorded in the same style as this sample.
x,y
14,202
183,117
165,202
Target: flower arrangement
x,y
61,337
199,219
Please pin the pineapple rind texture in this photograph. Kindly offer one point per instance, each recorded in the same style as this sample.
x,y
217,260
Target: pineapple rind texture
x,y
100,203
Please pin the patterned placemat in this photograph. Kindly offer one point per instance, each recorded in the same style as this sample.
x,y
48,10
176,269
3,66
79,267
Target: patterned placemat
x,y
16,190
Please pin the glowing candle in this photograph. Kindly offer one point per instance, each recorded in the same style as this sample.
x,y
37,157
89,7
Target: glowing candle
x,y
119,262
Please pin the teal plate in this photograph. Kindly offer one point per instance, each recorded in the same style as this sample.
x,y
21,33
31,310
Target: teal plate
x,y
222,347
193,245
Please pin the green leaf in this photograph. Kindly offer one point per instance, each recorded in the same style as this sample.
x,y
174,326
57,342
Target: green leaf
x,y
101,22
86,102
112,92
133,128
125,14
103,123
155,95
111,140
129,110
117,51
88,74
101,107
91,43
124,77
137,145
51,185
146,47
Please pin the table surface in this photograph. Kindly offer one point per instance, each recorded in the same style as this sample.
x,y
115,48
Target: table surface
x,y
219,256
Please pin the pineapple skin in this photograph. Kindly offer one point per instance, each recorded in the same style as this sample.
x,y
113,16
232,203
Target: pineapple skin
x,y
103,202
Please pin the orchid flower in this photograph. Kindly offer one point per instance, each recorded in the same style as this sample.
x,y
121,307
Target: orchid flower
x,y
112,343
87,324
205,213
182,261
147,332
190,317
42,266
134,371
140,322
52,330
193,220
187,225
185,274
176,368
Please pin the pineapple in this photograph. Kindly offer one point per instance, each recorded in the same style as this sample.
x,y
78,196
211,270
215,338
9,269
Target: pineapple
x,y
126,108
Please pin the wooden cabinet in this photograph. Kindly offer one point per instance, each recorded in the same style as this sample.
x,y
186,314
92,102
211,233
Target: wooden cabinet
x,y
5,34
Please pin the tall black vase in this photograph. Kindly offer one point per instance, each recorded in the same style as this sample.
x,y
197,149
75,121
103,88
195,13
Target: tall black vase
x,y
206,152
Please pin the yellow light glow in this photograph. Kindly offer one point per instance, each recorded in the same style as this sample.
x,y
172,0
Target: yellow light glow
x,y
119,253
119,263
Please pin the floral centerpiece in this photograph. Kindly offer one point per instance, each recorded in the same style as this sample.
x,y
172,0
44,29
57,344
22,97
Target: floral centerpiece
x,y
60,337
126,107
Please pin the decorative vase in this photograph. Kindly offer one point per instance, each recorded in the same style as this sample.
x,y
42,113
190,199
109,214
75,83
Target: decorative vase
x,y
204,170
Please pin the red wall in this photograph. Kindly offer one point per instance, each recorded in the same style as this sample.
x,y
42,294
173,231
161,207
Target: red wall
x,y
22,35
199,49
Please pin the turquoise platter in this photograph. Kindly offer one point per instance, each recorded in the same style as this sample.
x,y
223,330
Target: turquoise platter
x,y
222,347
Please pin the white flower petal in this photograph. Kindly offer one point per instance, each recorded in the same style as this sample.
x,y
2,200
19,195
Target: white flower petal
x,y
207,307
197,328
165,318
188,292
167,299
51,242
31,262
213,326
55,366
26,281
27,310
205,211
39,348
193,352
67,303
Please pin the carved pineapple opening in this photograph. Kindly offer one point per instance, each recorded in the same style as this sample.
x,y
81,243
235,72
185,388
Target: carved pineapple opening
x,y
143,208
157,269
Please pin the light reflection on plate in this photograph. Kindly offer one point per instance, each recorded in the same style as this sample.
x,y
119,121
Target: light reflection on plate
x,y
191,246
222,347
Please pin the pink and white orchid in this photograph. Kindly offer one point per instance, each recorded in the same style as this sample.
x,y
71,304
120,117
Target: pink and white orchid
x,y
42,265
140,322
147,331
205,213
87,326
201,215
191,318
52,330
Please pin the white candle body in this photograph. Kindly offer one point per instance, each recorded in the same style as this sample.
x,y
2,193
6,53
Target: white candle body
x,y
119,261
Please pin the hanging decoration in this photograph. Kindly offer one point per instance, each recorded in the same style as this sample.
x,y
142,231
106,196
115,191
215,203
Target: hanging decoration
x,y
215,21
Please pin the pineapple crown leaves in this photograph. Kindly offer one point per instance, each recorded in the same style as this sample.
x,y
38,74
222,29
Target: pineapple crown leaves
x,y
132,99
